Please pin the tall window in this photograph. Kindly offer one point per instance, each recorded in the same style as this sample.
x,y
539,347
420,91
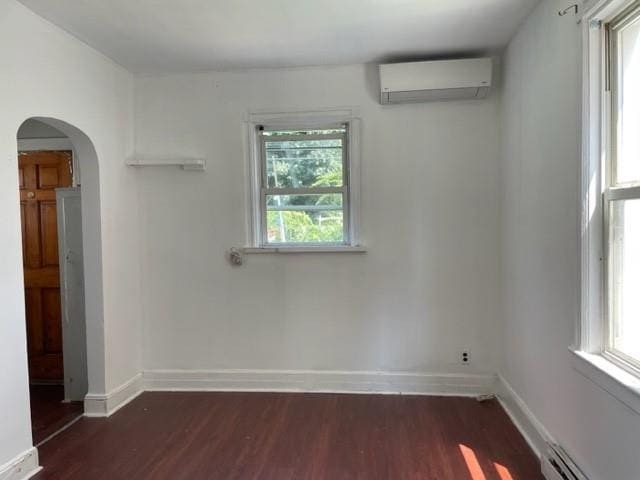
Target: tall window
x,y
304,189
621,190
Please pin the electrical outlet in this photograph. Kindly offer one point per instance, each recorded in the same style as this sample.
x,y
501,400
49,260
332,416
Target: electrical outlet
x,y
465,357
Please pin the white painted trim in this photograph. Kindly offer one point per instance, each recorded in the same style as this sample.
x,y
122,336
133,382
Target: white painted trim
x,y
305,249
22,467
302,118
588,329
525,421
616,381
603,10
319,381
355,178
104,405
36,144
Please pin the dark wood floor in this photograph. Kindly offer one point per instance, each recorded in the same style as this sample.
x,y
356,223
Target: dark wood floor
x,y
293,436
48,411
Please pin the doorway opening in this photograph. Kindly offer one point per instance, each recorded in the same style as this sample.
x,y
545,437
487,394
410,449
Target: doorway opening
x,y
52,248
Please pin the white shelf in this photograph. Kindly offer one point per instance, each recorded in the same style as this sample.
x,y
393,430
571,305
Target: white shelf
x,y
186,163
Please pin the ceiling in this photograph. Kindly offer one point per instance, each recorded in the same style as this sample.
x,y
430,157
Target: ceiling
x,y
163,36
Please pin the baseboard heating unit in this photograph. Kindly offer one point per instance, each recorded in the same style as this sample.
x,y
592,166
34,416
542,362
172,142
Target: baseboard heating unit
x,y
557,465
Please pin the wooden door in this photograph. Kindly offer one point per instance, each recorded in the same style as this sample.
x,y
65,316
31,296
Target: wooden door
x,y
40,173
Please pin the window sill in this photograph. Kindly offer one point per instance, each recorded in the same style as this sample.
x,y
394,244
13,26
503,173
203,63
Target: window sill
x,y
287,250
616,381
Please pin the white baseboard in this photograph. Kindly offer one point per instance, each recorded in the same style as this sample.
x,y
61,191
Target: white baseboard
x,y
22,467
530,427
318,381
103,405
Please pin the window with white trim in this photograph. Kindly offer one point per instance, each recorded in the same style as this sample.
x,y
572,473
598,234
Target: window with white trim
x,y
610,238
304,186
622,189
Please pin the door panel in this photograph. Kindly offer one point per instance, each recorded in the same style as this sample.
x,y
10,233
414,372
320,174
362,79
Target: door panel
x,y
48,177
49,228
23,223
52,318
31,235
40,173
35,331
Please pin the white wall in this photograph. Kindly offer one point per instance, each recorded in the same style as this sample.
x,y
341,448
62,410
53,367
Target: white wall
x,y
51,74
426,289
540,172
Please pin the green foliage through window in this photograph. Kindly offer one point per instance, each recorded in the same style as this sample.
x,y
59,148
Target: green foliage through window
x,y
304,227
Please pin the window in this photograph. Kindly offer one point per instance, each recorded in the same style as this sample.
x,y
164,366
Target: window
x,y
304,181
304,186
622,190
609,333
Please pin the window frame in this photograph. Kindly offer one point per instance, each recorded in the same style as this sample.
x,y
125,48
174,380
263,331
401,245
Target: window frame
x,y
614,190
598,188
265,190
258,189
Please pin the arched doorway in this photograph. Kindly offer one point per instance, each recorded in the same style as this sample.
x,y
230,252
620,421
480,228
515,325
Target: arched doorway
x,y
60,207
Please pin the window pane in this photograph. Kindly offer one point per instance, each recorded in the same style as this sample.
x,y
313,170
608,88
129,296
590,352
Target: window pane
x,y
624,263
305,218
304,163
628,158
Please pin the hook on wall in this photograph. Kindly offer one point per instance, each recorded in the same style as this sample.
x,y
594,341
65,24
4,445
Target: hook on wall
x,y
235,257
573,7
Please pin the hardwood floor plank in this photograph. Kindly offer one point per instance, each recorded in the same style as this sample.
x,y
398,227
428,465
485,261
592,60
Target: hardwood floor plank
x,y
48,411
197,435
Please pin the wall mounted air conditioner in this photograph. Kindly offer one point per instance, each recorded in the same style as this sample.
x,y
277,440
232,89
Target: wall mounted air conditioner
x,y
435,80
